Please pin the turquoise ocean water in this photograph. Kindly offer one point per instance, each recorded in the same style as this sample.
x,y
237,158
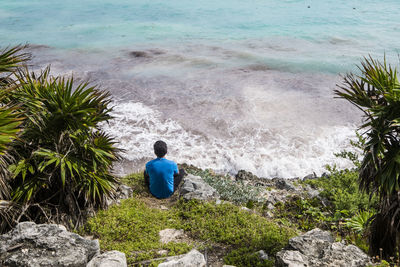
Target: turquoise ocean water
x,y
229,84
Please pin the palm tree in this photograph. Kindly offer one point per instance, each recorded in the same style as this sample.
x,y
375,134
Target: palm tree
x,y
376,92
10,119
60,160
64,158
10,60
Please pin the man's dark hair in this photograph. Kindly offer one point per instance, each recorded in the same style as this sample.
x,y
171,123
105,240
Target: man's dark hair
x,y
160,148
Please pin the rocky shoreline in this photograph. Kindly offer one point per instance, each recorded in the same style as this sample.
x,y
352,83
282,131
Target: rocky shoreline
x,y
29,244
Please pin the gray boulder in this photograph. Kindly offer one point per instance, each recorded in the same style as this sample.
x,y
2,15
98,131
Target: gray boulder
x,y
192,259
291,258
194,187
317,248
312,243
112,258
30,244
284,184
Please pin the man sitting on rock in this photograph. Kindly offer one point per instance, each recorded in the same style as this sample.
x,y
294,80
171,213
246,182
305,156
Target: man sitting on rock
x,y
162,176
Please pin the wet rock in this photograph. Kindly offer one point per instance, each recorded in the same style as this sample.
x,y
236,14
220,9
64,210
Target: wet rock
x,y
194,187
317,248
192,259
30,244
112,258
138,54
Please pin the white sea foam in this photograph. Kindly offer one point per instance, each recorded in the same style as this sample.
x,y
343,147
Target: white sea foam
x,y
235,114
262,152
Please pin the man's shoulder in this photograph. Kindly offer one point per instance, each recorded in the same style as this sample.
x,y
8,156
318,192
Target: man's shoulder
x,y
150,162
170,162
163,162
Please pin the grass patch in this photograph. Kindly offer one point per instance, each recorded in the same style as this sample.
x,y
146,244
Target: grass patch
x,y
133,226
136,181
246,257
228,224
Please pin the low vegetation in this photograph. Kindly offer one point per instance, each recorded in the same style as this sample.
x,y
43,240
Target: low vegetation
x,y
239,233
234,191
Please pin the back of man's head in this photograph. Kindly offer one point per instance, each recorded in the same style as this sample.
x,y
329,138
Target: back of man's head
x,y
160,148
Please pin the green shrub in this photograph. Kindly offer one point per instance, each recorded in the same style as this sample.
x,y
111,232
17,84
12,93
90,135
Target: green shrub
x,y
359,222
133,228
230,225
375,91
63,158
10,120
341,188
136,182
246,257
306,214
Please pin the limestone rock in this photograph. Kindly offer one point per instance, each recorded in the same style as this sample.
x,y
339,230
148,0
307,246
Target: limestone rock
x,y
311,192
312,243
245,175
285,184
310,176
122,192
274,196
194,187
263,255
291,258
170,235
112,258
192,259
30,244
317,248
